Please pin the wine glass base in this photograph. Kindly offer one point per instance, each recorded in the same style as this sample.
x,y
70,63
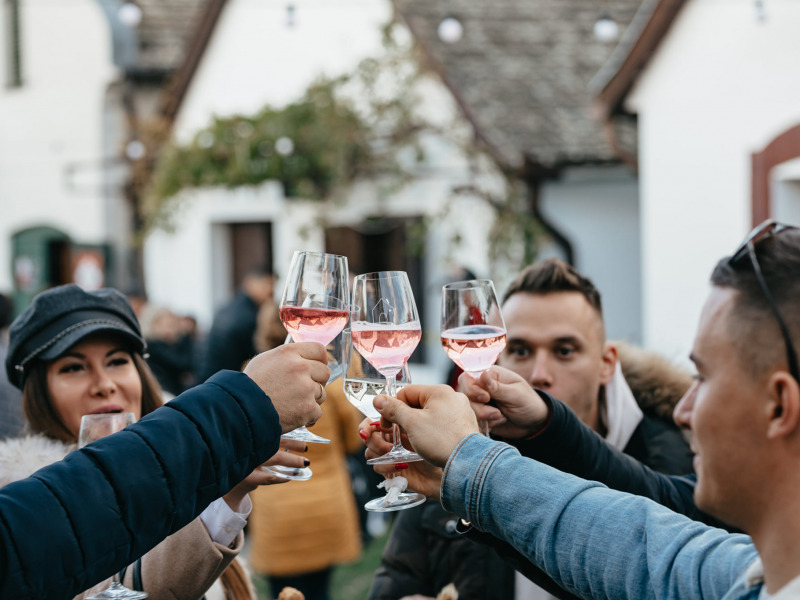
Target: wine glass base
x,y
301,434
299,474
405,500
118,592
395,456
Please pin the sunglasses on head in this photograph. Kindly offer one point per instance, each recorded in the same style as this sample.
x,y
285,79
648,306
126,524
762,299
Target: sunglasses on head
x,y
766,230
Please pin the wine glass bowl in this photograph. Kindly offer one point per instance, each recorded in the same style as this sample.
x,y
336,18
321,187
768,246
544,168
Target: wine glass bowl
x,y
97,426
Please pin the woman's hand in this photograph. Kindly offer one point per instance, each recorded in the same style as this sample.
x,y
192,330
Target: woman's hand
x,y
259,476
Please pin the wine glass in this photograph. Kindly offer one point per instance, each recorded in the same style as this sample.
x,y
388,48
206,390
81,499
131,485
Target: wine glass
x,y
94,427
473,330
362,382
385,330
334,351
314,307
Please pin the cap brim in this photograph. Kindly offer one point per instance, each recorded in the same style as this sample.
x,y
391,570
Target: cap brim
x,y
77,334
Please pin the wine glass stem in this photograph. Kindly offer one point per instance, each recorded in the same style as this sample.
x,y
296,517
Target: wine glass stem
x,y
391,390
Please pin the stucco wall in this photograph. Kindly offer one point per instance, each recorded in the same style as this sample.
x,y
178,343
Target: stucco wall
x,y
720,87
53,122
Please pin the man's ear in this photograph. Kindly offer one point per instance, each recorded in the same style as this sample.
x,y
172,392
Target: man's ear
x,y
783,406
609,363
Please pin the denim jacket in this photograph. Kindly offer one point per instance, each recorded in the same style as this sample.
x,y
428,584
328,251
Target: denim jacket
x,y
593,541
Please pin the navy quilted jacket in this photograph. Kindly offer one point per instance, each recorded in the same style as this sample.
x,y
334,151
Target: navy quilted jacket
x,y
82,519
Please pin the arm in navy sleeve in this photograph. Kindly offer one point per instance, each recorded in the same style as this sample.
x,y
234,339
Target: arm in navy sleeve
x,y
82,519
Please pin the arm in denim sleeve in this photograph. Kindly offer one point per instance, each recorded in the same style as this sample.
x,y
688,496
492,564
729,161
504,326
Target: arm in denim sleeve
x,y
594,542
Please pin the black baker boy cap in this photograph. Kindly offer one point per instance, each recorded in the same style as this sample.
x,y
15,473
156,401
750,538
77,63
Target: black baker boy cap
x,y
60,317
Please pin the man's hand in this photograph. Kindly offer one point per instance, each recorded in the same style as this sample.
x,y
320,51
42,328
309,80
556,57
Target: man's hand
x,y
259,476
294,377
434,417
516,410
422,476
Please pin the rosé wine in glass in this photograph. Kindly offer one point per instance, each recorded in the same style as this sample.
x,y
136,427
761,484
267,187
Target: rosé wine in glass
x,y
387,347
474,348
313,324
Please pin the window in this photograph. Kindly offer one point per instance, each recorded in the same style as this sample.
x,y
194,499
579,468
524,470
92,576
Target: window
x,y
13,48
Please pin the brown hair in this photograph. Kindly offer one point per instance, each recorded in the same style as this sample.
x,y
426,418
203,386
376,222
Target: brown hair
x,y
553,275
37,405
753,328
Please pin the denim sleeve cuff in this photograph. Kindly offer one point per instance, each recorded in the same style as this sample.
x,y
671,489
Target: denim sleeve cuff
x,y
465,473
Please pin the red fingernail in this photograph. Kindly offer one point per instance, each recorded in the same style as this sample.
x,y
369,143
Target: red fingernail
x,y
375,424
400,466
363,434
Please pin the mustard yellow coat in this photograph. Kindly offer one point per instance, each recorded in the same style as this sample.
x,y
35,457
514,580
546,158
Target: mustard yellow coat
x,y
304,526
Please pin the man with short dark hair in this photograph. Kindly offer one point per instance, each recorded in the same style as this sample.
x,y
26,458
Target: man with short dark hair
x,y
744,414
556,341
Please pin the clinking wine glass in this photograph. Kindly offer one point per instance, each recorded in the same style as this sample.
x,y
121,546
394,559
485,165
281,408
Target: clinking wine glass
x,y
473,330
385,329
95,427
313,308
362,382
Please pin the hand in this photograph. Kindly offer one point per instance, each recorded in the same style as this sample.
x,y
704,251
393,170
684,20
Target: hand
x,y
435,418
518,411
294,377
422,476
259,476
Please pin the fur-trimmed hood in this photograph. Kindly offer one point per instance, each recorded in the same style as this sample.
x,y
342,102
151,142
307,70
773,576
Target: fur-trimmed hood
x,y
22,456
656,383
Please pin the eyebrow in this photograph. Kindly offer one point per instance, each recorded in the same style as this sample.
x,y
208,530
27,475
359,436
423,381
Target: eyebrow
x,y
566,339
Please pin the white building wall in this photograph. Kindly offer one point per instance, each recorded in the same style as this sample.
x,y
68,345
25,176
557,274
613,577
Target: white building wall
x,y
254,58
720,87
597,210
53,121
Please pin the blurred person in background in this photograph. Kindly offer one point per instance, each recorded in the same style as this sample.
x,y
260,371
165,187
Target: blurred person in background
x,y
556,341
11,419
74,352
170,349
229,343
298,533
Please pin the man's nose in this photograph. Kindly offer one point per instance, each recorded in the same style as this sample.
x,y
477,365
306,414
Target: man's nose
x,y
682,415
542,374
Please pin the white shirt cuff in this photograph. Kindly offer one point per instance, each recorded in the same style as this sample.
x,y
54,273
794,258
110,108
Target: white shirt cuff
x,y
223,523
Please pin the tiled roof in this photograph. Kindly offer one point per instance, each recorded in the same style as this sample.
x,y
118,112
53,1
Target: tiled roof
x,y
521,72
166,32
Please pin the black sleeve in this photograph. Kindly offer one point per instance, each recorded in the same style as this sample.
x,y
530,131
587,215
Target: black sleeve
x,y
570,446
82,519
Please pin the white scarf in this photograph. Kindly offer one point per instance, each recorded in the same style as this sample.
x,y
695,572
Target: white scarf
x,y
621,414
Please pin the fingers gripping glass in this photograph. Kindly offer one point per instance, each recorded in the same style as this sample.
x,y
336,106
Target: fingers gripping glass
x,y
748,248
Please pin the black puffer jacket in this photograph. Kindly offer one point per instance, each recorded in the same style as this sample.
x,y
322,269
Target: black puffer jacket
x,y
82,519
424,554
